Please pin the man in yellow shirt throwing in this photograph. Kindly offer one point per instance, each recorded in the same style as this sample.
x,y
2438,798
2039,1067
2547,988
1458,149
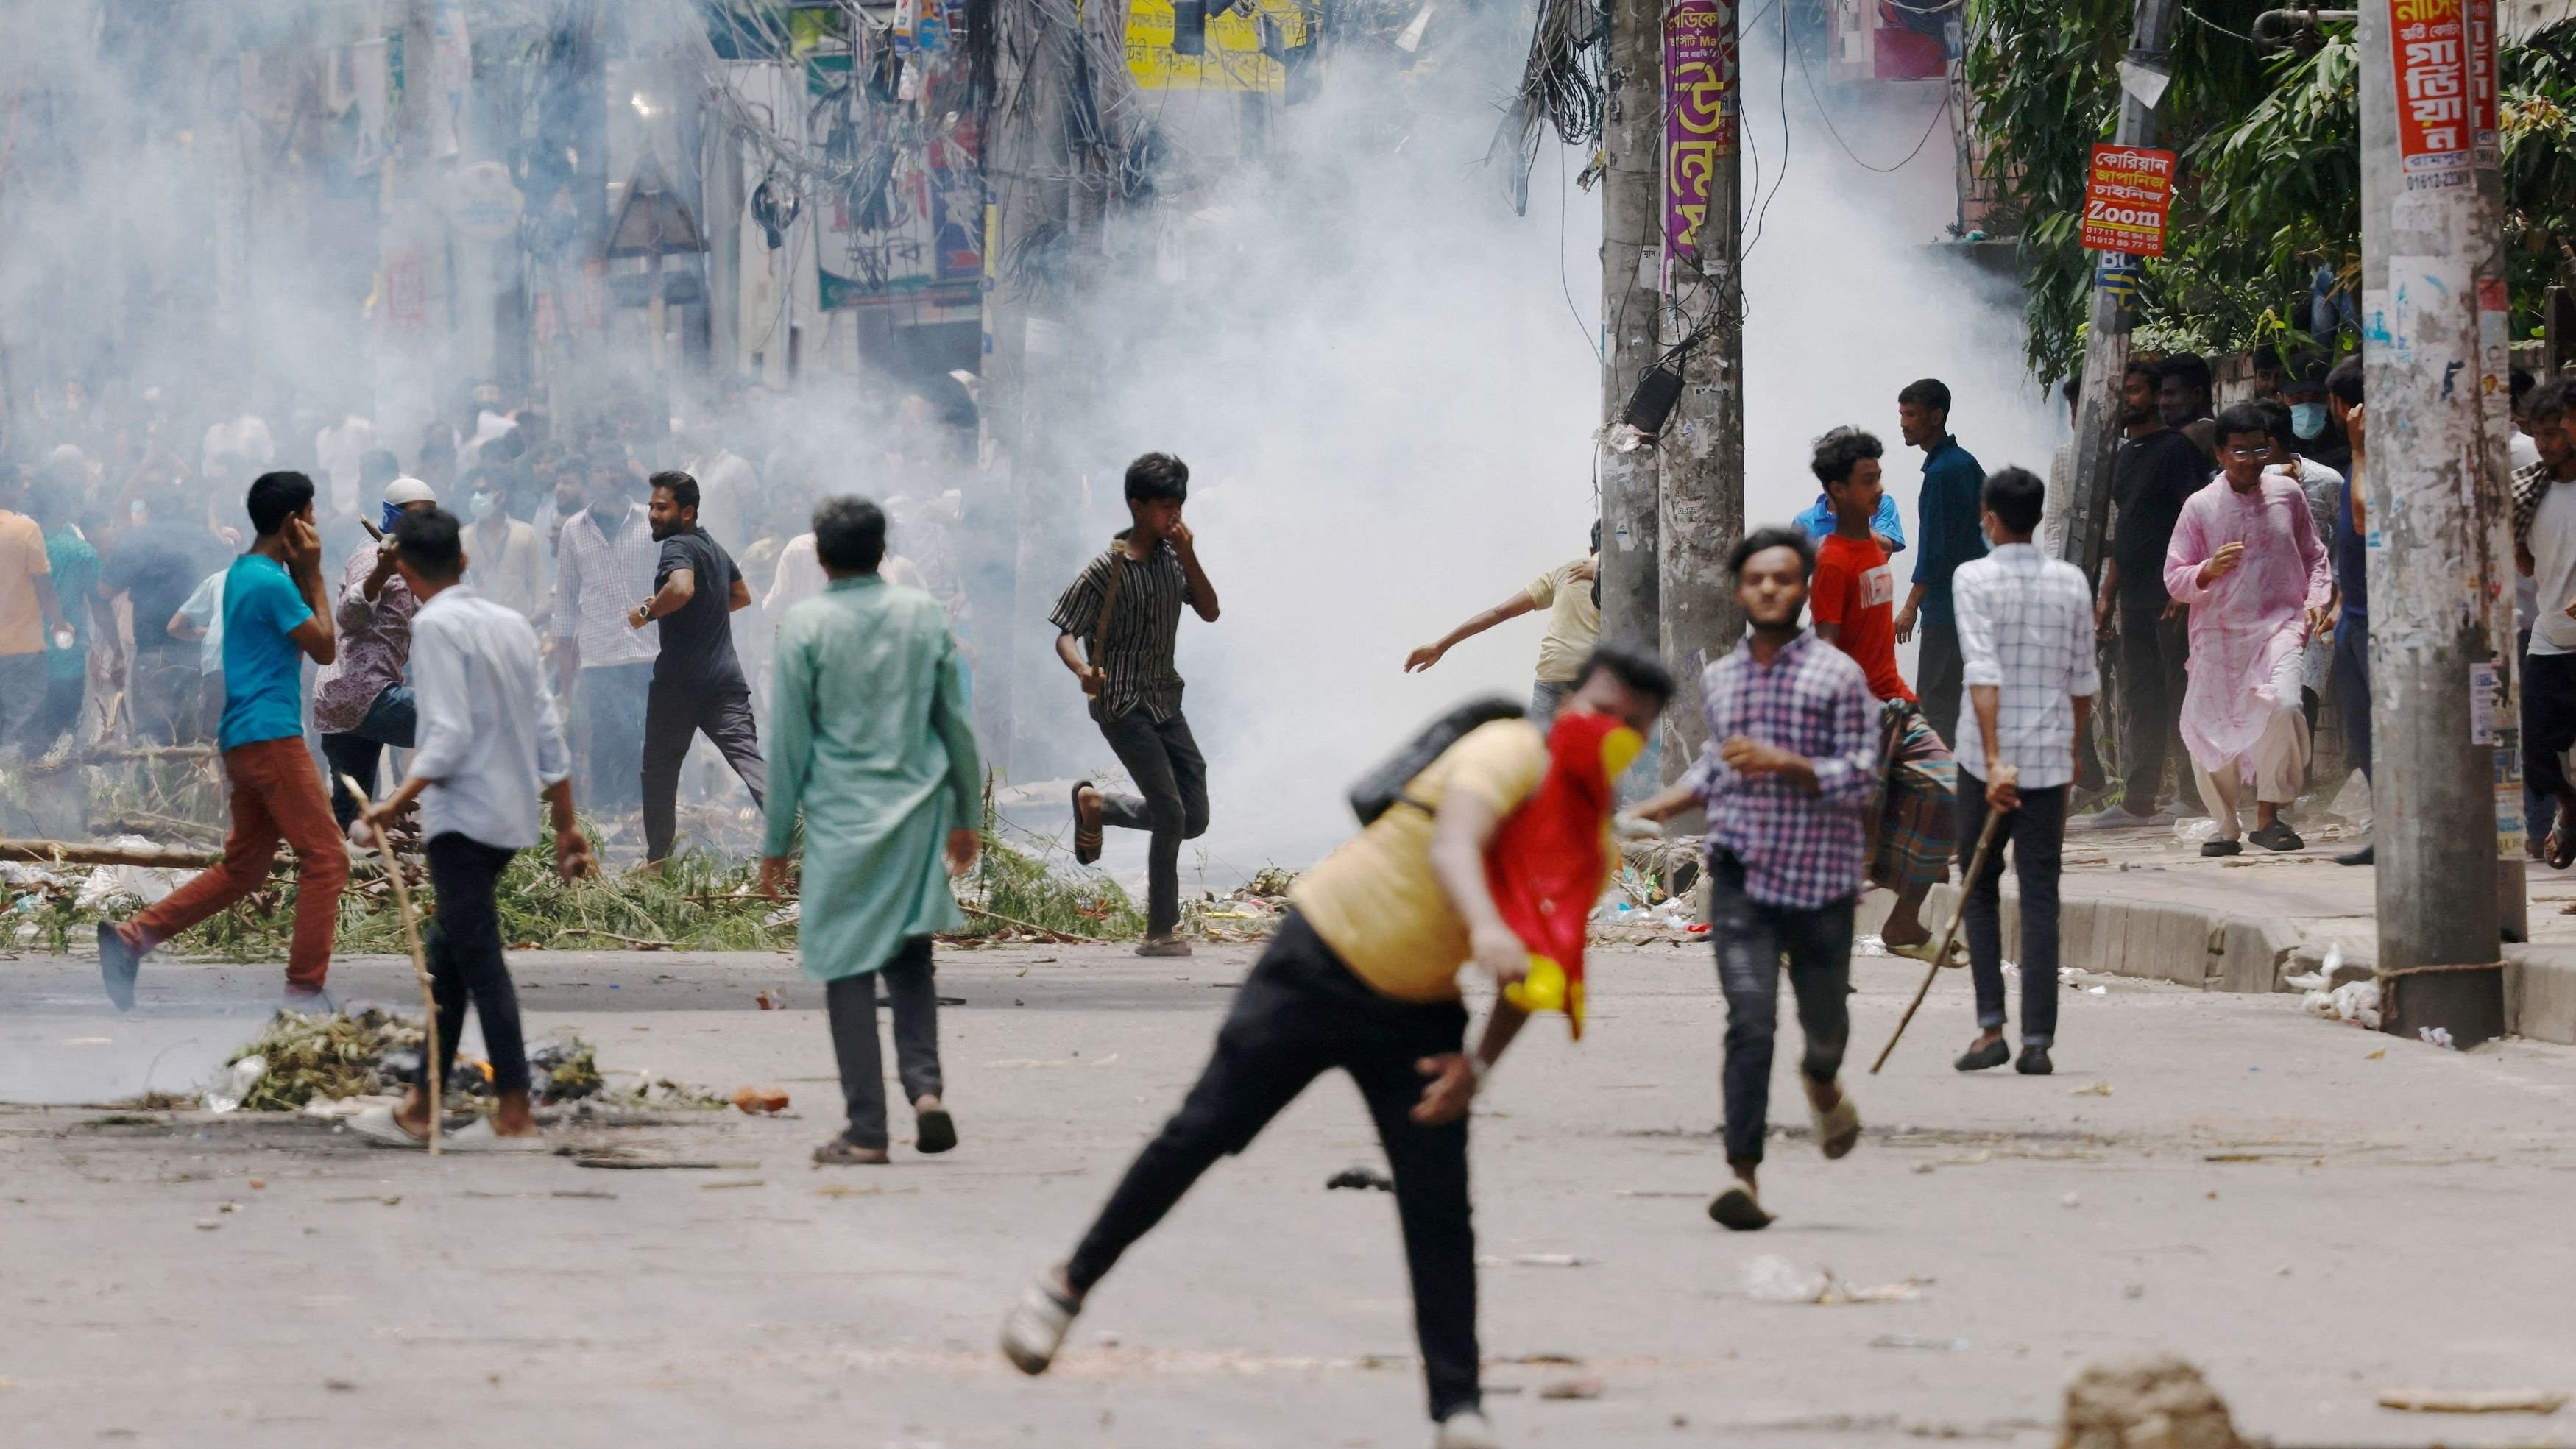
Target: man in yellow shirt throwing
x,y
1362,975
1571,595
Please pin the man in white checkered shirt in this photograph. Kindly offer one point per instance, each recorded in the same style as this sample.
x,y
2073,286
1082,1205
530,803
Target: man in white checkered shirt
x,y
2026,639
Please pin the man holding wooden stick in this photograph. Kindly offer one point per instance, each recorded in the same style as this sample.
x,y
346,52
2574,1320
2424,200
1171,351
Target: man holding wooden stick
x,y
2026,639
870,739
489,743
277,613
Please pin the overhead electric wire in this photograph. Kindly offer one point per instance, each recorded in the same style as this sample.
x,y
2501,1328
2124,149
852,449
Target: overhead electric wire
x,y
1930,123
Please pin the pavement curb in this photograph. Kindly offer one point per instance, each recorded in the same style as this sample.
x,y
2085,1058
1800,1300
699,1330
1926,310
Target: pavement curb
x,y
2223,951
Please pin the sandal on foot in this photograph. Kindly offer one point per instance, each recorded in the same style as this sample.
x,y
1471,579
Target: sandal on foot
x,y
1735,1209
2561,848
934,1131
380,1126
1978,1058
2278,836
1086,824
842,1152
1837,1129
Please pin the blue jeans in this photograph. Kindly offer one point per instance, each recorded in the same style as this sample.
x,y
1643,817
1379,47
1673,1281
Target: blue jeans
x,y
390,721
1752,941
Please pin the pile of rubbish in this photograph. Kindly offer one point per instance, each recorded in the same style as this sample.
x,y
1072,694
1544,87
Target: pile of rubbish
x,y
321,1063
1249,911
2355,1003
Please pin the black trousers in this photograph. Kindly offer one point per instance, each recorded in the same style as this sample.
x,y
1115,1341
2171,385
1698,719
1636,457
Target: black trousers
x,y
61,712
2548,721
674,714
2037,834
851,1002
2153,650
1753,942
1171,777
465,961
1299,1014
1938,671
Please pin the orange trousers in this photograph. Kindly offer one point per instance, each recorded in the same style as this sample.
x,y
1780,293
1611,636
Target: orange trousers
x,y
276,794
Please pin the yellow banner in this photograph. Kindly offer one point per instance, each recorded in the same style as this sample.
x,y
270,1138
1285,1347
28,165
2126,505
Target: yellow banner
x,y
1232,61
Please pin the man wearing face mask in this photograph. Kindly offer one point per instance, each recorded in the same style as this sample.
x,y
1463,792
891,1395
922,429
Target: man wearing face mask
x,y
2313,433
505,560
604,560
360,703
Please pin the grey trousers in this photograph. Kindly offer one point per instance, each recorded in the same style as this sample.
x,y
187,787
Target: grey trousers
x,y
674,714
852,1004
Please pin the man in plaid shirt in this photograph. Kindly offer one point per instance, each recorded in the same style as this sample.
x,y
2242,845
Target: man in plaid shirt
x,y
1789,776
2026,634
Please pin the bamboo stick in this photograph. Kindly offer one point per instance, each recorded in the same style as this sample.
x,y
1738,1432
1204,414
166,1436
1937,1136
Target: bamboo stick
x,y
419,963
90,852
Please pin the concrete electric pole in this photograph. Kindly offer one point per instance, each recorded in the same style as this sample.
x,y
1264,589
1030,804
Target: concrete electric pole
x,y
1631,296
1701,471
2143,76
2439,682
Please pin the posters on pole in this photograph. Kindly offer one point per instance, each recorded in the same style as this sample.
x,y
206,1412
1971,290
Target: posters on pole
x,y
2128,190
2485,139
2430,42
1699,116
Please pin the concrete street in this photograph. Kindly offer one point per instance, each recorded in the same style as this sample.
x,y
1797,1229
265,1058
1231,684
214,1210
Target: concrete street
x,y
2312,1213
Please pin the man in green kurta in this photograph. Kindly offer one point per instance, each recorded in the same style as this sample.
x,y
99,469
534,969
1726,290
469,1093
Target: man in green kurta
x,y
869,736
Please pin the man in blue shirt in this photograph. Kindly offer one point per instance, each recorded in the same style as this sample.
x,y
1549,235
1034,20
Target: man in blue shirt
x,y
1817,523
276,615
1951,537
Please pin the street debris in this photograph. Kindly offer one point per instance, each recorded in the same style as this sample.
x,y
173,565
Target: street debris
x,y
2147,1403
2439,1036
2474,1401
239,1079
1359,1179
2101,1088
2354,1002
1907,1340
1534,1260
756,1101
1771,1278
1581,1386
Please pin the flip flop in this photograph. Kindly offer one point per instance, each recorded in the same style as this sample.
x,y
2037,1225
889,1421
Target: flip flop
x,y
378,1126
1735,1209
1086,827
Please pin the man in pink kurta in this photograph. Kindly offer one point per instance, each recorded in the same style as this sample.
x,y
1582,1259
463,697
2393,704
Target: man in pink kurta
x,y
2246,560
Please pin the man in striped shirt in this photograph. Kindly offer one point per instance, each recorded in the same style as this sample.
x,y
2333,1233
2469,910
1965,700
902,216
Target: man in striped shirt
x,y
1130,622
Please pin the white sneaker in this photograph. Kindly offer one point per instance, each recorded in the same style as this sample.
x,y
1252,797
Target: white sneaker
x,y
1036,1326
1466,1430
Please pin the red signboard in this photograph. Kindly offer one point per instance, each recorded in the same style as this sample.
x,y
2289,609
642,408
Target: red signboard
x,y
2430,40
2127,192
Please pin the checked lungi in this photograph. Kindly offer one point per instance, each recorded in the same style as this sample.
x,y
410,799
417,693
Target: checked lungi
x,y
1917,820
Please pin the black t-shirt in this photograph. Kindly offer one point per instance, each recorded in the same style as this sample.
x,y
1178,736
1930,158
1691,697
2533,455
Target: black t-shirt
x,y
2150,479
160,565
697,637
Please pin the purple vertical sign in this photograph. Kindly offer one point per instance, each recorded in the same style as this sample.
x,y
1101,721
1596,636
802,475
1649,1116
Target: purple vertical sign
x,y
1699,115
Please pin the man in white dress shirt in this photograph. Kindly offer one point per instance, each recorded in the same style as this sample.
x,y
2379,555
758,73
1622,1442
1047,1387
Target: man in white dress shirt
x,y
2026,642
489,743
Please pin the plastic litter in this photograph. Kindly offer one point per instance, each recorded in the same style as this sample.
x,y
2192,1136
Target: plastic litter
x,y
2356,1002
2194,829
2321,979
238,1080
1771,1278
2439,1036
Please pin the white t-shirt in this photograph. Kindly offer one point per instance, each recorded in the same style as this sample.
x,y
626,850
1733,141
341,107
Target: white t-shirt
x,y
2526,592
2553,574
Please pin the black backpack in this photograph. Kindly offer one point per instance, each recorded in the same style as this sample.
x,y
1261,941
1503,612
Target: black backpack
x,y
1382,787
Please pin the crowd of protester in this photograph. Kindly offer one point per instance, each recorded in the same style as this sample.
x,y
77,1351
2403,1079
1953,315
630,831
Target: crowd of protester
x,y
121,514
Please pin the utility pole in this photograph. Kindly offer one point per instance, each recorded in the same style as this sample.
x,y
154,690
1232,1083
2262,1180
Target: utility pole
x,y
2435,506
2115,288
1631,152
1701,475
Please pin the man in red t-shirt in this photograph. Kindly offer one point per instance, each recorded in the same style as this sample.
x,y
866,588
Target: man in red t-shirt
x,y
1854,595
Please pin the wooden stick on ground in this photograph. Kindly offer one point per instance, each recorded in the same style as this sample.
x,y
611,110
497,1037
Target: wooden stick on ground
x,y
1941,953
419,963
1034,926
83,852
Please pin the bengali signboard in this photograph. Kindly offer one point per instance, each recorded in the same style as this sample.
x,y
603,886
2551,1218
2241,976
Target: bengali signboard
x,y
2483,133
2128,191
1699,115
2430,40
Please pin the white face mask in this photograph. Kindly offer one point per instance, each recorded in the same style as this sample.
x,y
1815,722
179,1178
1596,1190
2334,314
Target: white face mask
x,y
481,506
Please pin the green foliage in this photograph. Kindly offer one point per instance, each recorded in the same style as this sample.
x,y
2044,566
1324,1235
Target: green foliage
x,y
2269,186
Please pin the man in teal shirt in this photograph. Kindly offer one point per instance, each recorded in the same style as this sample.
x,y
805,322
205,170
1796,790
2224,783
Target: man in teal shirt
x,y
276,615
1951,535
869,737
